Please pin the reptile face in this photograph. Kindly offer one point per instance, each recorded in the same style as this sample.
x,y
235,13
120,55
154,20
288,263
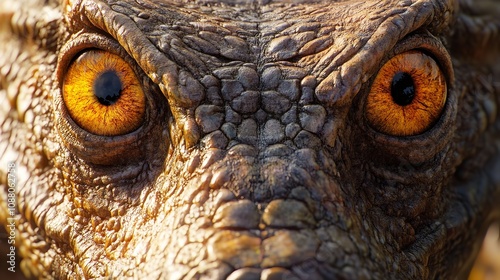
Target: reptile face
x,y
322,140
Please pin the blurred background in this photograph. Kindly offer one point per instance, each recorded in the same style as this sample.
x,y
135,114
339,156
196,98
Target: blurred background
x,y
487,265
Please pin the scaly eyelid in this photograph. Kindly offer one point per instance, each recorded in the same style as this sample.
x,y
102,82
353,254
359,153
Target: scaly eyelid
x,y
71,50
430,45
129,147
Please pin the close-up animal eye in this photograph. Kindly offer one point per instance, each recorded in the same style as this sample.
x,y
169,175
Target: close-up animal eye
x,y
407,95
217,139
103,95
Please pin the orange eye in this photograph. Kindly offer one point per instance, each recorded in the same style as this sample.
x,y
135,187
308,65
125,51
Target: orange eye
x,y
407,95
103,95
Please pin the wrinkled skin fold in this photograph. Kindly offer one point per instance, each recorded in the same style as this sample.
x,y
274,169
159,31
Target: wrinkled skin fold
x,y
255,158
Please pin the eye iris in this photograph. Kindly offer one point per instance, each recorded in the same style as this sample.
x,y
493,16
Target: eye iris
x,y
107,88
402,88
407,96
103,95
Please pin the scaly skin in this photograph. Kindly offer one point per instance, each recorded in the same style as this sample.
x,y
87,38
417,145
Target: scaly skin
x,y
255,160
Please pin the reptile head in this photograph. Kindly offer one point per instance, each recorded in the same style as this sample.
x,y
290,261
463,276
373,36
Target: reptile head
x,y
251,139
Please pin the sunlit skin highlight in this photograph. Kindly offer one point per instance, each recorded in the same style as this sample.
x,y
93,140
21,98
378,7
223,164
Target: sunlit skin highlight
x,y
121,117
386,116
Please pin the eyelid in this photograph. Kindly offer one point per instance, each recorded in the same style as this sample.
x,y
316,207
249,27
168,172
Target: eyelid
x,y
431,141
74,46
430,45
71,51
120,149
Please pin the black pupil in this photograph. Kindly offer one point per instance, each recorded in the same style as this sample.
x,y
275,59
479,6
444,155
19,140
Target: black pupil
x,y
402,89
107,88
